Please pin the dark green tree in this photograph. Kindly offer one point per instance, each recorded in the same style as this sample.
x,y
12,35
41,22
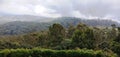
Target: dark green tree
x,y
116,44
83,37
57,34
70,31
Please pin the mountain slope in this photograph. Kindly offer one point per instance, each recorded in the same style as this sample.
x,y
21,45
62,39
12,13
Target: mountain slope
x,y
20,27
17,27
65,21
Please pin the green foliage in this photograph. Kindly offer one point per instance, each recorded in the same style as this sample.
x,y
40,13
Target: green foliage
x,y
60,38
57,33
56,29
83,37
116,47
51,53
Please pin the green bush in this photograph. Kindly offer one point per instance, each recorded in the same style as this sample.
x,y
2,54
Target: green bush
x,y
51,53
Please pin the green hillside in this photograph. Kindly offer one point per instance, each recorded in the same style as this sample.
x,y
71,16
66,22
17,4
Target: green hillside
x,y
23,27
57,37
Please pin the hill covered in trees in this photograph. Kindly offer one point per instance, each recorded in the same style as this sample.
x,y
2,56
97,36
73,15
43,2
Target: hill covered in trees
x,y
22,27
18,27
57,37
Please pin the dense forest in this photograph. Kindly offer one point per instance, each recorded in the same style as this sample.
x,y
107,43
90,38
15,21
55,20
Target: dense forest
x,y
64,42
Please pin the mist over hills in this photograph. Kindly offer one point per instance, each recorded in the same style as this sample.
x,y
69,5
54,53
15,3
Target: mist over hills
x,y
91,22
29,18
14,25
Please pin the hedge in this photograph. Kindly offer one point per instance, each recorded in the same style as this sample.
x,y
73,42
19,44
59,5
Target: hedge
x,y
51,53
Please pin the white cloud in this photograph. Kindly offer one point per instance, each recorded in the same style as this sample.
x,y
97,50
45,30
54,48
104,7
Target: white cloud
x,y
43,11
78,14
15,8
57,8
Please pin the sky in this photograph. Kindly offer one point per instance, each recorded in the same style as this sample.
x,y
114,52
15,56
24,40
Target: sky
x,y
107,9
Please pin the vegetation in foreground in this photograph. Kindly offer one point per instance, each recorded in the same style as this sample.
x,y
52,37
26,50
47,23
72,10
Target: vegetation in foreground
x,y
53,53
61,40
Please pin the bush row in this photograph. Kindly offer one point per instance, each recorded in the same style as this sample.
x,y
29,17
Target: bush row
x,y
51,53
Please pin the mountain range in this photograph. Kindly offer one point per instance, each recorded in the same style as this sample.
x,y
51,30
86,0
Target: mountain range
x,y
15,25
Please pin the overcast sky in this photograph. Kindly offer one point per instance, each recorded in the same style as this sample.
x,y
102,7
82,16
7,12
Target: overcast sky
x,y
58,8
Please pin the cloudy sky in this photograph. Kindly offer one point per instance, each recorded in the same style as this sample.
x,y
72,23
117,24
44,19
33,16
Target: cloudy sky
x,y
58,8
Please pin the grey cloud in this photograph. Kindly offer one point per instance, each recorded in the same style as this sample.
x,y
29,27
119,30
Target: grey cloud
x,y
95,8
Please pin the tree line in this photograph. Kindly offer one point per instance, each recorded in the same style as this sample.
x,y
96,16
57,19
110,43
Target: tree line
x,y
74,37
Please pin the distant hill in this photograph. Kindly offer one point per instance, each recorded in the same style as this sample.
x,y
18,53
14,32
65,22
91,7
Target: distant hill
x,y
21,27
65,21
18,27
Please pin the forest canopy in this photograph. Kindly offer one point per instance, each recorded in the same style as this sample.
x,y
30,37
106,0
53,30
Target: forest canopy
x,y
77,37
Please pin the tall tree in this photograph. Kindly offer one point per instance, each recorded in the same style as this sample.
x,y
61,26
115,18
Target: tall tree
x,y
83,37
57,33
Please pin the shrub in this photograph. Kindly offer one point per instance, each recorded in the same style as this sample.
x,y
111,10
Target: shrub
x,y
51,53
